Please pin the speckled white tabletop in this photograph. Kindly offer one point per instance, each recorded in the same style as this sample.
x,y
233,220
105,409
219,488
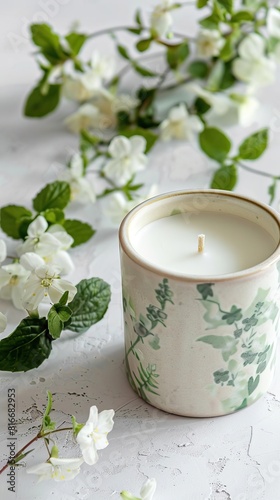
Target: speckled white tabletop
x,y
236,457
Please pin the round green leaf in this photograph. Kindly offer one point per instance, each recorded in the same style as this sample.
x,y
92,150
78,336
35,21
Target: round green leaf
x,y
39,104
254,146
225,178
214,143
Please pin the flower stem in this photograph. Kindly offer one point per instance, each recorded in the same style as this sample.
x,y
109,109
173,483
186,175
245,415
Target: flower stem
x,y
258,172
38,436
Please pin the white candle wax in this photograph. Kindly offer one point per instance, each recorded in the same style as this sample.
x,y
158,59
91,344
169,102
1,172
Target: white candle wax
x,y
232,243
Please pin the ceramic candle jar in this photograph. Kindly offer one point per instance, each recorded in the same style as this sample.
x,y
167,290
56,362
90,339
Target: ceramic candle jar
x,y
200,338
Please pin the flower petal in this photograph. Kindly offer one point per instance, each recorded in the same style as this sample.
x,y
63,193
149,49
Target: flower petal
x,y
37,227
3,322
252,47
90,454
120,147
148,489
3,250
4,277
77,166
105,421
62,261
31,260
273,22
58,287
138,144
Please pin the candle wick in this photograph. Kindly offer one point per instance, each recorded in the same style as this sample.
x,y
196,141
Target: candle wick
x,y
201,243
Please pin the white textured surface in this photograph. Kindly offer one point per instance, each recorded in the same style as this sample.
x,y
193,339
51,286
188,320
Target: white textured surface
x,y
229,458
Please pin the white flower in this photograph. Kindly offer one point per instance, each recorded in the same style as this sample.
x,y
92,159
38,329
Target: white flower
x,y
43,282
3,322
161,19
81,188
179,124
3,251
127,158
119,205
241,108
146,493
12,281
59,469
209,43
109,105
86,117
102,66
50,244
102,112
93,435
273,22
253,66
83,86
246,107
219,102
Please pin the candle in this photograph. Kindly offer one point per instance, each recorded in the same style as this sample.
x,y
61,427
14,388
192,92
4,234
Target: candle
x,y
233,243
201,278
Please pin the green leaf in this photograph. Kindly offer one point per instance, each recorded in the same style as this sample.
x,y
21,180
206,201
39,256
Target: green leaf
x,y
210,22
76,41
272,190
39,104
225,178
63,312
53,195
64,299
201,3
123,52
205,289
47,424
221,376
49,42
198,69
254,146
80,231
228,79
143,71
49,404
226,4
138,18
253,384
89,304
242,15
155,342
26,347
144,44
227,51
135,31
55,324
227,344
150,137
76,427
54,215
201,106
214,143
216,76
177,54
232,316
11,219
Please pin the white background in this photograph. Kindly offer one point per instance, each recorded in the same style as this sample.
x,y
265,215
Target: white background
x,y
235,457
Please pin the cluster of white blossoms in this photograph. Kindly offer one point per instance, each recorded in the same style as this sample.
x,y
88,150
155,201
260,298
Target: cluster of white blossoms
x,y
36,274
91,437
99,107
